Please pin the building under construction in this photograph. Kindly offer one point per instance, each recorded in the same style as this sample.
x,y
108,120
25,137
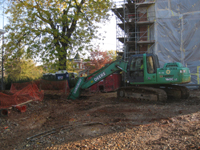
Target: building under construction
x,y
168,28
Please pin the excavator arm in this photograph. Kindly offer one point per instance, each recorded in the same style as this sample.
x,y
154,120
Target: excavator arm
x,y
84,82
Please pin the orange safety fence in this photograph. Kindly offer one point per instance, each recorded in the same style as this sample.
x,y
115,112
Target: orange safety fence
x,y
18,86
61,86
22,92
29,92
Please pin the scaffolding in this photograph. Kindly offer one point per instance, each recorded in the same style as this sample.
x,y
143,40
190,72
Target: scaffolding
x,y
135,26
168,28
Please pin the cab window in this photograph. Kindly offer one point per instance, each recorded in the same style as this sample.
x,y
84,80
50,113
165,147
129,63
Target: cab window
x,y
150,65
136,64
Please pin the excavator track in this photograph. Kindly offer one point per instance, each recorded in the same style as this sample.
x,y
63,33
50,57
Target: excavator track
x,y
142,93
176,91
185,93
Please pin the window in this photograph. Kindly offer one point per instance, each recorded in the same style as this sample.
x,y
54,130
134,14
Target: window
x,y
150,65
132,68
136,64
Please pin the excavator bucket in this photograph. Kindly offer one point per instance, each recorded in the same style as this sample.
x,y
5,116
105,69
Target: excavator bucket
x,y
76,91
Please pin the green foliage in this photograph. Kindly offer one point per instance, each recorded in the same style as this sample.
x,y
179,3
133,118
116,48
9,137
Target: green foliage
x,y
112,54
69,66
53,29
22,70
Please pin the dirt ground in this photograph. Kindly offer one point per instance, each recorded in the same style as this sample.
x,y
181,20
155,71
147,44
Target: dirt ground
x,y
101,121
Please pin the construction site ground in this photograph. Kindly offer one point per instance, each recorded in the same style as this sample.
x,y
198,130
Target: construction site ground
x,y
101,121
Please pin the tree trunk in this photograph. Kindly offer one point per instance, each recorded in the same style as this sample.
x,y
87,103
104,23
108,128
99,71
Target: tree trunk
x,y
62,58
62,62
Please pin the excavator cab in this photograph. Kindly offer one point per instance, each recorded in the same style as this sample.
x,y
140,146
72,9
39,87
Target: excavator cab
x,y
137,65
145,69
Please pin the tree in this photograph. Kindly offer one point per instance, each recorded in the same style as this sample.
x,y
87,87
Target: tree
x,y
53,29
23,70
100,58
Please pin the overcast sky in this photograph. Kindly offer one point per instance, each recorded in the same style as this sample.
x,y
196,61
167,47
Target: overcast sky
x,y
108,33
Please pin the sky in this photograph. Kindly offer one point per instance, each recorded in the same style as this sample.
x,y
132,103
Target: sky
x,y
1,14
108,30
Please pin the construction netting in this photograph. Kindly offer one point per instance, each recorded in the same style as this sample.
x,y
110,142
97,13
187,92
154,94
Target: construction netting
x,y
175,30
23,92
177,33
15,97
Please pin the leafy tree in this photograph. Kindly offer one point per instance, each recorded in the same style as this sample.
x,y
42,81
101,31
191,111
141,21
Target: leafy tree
x,y
23,70
70,67
112,54
53,29
100,58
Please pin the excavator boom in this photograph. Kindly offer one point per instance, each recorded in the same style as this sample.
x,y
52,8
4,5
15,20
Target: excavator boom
x,y
85,82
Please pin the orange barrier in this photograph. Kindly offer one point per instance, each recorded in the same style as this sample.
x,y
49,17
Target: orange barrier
x,y
61,86
29,92
23,92
21,108
18,86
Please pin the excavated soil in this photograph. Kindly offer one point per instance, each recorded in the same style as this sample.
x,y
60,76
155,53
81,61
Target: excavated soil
x,y
101,121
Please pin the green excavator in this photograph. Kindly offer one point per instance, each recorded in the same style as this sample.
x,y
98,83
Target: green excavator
x,y
143,78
